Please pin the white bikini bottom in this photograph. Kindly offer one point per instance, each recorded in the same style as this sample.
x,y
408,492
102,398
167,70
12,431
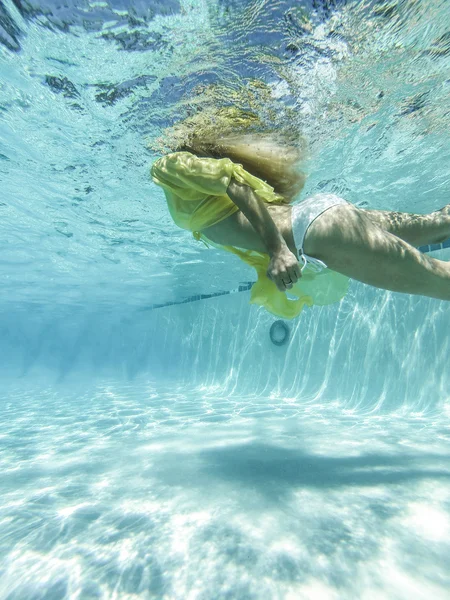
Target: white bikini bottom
x,y
303,214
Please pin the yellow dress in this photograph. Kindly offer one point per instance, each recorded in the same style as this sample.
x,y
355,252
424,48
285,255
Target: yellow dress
x,y
196,194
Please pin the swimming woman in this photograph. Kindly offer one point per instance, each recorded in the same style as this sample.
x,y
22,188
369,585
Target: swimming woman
x,y
237,191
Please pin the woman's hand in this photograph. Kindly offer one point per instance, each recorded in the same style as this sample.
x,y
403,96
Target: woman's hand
x,y
284,269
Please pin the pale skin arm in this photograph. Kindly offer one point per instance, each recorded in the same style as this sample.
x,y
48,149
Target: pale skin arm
x,y
284,268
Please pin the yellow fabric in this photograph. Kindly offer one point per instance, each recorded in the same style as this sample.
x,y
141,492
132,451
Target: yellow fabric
x,y
195,189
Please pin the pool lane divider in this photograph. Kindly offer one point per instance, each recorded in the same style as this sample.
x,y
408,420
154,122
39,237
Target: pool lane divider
x,y
433,247
247,285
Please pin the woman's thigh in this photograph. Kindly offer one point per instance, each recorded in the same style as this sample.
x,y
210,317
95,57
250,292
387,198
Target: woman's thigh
x,y
349,242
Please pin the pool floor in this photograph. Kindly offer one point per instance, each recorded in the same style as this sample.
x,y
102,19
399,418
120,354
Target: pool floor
x,y
127,491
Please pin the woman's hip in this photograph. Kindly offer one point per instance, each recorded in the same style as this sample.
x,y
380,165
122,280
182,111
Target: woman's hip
x,y
305,213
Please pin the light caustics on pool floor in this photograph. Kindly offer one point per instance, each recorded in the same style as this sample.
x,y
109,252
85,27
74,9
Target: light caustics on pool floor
x,y
126,492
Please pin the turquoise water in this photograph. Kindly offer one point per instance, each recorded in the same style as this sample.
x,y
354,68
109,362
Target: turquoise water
x,y
175,452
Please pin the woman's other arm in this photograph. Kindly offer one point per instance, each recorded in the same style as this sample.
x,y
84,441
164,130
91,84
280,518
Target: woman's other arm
x,y
284,269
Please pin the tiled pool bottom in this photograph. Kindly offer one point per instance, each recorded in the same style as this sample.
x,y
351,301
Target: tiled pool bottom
x,y
129,493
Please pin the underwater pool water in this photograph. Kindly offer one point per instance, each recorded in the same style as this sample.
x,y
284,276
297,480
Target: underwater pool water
x,y
152,448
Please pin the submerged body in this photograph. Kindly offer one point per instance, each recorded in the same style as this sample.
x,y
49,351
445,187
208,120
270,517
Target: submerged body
x,y
372,246
221,202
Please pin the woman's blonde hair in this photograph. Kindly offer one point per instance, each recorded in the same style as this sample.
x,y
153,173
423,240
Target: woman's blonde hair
x,y
272,155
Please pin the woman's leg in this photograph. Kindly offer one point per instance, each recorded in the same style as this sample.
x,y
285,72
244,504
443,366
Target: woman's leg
x,y
347,240
417,230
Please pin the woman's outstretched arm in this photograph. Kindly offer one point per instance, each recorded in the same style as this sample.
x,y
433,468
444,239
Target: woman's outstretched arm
x,y
284,268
